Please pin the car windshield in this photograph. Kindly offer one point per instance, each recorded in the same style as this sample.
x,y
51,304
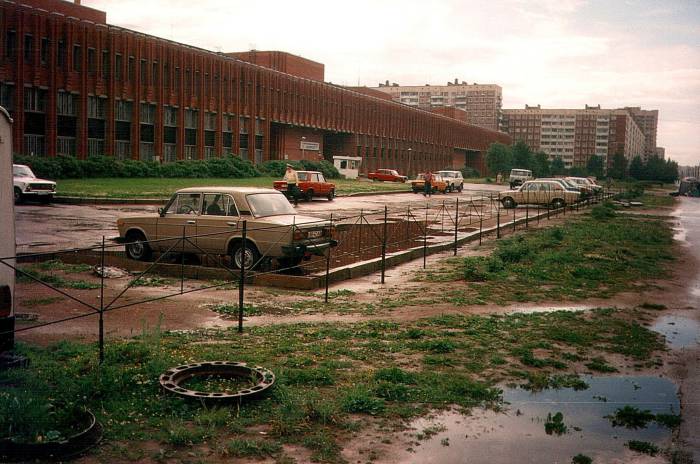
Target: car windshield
x,y
447,174
22,171
269,204
569,184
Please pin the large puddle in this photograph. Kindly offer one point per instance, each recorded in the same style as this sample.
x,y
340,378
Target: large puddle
x,y
680,332
517,435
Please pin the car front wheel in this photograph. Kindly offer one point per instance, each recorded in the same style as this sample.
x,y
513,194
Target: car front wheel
x,y
508,202
309,195
18,196
247,256
558,203
331,195
137,246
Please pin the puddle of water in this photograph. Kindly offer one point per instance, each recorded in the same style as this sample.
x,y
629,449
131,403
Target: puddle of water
x,y
680,332
518,434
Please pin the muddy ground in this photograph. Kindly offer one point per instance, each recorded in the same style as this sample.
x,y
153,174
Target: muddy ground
x,y
680,294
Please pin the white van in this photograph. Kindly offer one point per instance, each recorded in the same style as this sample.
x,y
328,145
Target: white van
x,y
518,176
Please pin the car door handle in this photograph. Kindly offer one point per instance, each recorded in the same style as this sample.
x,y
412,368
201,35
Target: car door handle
x,y
231,223
192,221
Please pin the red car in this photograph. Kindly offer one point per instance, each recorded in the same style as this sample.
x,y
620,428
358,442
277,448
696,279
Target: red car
x,y
387,175
311,184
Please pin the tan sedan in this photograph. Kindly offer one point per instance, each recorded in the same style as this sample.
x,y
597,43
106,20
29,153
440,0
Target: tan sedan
x,y
211,219
539,192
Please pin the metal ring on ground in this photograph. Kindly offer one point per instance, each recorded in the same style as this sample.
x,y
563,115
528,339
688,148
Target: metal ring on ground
x,y
172,379
73,446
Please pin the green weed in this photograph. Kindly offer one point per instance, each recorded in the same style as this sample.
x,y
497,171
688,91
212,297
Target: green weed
x,y
643,447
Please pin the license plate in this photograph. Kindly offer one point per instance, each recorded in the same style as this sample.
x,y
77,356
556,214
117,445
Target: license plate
x,y
315,233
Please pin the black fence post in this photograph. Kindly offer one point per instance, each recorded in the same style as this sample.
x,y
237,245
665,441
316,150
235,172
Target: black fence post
x,y
513,218
328,262
384,244
359,238
481,224
408,224
548,211
538,213
456,224
425,237
182,262
102,302
498,221
241,282
527,214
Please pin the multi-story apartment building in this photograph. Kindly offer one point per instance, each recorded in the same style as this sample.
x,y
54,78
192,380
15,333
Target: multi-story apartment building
x,y
77,86
648,121
576,134
482,102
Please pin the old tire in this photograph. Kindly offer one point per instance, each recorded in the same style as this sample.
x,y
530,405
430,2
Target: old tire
x,y
247,256
137,246
508,202
331,195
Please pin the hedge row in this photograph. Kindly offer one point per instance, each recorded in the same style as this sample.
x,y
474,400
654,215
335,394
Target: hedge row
x,y
67,167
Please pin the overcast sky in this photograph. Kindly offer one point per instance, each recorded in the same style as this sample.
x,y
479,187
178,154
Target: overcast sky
x,y
557,53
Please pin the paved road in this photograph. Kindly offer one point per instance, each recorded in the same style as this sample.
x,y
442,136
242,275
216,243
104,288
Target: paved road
x,y
53,227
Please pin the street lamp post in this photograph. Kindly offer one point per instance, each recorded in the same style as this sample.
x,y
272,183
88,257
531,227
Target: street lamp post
x,y
303,150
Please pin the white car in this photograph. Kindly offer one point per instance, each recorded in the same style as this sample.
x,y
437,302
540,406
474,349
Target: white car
x,y
454,180
27,185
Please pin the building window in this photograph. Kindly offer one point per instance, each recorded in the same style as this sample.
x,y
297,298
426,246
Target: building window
x,y
10,44
154,74
143,72
77,57
105,64
45,50
28,48
91,61
118,67
131,74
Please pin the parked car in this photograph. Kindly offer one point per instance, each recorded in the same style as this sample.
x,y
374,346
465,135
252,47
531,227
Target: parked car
x,y
454,180
539,192
584,190
386,175
212,218
27,185
518,176
311,184
586,182
438,184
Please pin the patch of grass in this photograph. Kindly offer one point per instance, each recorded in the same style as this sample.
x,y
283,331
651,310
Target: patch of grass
x,y
670,421
599,364
581,459
323,446
555,424
58,265
430,431
631,418
231,310
652,306
308,376
249,448
56,280
33,302
152,282
361,399
181,435
643,447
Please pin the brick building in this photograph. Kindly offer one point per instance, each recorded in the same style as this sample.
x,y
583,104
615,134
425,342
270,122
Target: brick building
x,y
576,134
78,86
648,121
482,102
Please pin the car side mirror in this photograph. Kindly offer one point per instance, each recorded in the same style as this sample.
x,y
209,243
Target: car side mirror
x,y
161,212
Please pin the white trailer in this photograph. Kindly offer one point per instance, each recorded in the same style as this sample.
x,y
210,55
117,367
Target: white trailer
x,y
7,235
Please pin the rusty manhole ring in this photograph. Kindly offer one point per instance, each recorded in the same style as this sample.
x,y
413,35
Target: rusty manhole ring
x,y
173,378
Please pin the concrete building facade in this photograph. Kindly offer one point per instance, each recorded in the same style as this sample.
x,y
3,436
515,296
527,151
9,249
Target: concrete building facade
x,y
78,86
482,102
576,134
647,121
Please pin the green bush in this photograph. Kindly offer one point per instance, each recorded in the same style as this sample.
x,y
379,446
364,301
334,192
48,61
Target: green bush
x,y
67,167
276,168
468,172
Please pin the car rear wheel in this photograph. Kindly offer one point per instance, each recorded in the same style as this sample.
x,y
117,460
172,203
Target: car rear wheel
x,y
247,256
331,195
508,202
309,195
18,196
137,246
286,263
448,189
558,203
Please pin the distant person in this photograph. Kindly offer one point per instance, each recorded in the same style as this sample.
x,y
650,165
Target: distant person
x,y
292,179
499,178
428,183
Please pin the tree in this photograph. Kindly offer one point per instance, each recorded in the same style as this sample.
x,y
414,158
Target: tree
x,y
637,170
557,166
522,155
499,158
540,167
619,167
577,171
595,166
